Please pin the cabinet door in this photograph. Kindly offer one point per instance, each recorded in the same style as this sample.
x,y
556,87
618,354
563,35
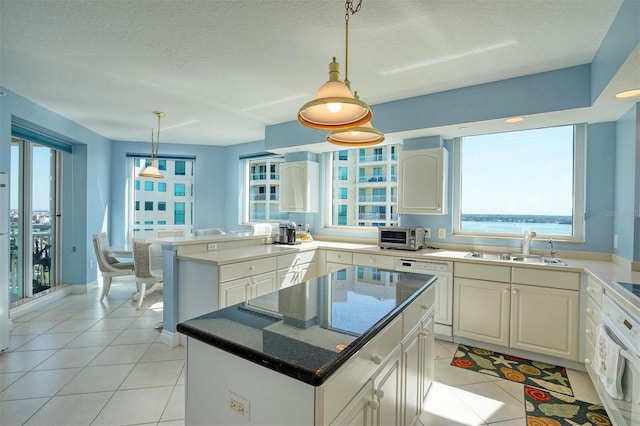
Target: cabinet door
x,y
388,391
232,292
333,267
444,302
427,356
545,320
299,187
263,284
481,310
359,411
411,373
422,181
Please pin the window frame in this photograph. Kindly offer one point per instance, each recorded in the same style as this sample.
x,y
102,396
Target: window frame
x,y
271,178
578,199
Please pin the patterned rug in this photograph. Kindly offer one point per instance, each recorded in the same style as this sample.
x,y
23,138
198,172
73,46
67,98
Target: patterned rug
x,y
545,408
509,367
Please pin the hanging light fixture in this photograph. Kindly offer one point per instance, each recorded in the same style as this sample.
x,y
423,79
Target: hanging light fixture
x,y
363,135
151,171
334,106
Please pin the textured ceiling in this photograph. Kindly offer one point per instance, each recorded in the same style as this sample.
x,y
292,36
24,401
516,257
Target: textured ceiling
x,y
223,70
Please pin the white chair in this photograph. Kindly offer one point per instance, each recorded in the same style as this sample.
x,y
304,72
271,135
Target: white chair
x,y
147,258
209,231
109,266
170,233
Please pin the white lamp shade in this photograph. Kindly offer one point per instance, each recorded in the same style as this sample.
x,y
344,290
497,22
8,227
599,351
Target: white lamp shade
x,y
151,171
364,135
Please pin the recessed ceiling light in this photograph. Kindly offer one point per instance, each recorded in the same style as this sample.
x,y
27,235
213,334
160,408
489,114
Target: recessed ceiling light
x,y
513,120
628,94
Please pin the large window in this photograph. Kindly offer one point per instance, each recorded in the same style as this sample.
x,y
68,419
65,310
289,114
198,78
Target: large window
x,y
530,180
262,190
368,175
169,214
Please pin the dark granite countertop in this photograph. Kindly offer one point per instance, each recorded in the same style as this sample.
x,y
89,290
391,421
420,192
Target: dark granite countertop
x,y
308,330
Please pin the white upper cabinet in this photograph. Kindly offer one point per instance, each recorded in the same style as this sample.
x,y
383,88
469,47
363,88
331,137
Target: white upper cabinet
x,y
422,182
299,187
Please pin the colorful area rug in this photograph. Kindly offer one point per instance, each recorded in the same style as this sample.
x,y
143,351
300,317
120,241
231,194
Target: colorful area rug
x,y
544,408
509,367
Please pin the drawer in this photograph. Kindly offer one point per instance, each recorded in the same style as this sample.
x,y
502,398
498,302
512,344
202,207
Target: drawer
x,y
482,272
346,382
591,329
593,311
234,271
374,260
334,256
594,290
287,260
546,278
416,311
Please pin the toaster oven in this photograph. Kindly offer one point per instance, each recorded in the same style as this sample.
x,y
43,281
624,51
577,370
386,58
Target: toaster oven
x,y
401,237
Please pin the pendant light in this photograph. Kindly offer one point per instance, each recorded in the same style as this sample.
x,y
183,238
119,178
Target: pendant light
x,y
334,106
359,136
151,171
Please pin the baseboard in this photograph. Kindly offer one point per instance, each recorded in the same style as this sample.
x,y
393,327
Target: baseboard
x,y
169,338
39,302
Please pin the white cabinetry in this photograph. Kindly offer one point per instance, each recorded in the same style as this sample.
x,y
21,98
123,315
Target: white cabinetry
x,y
422,182
374,260
242,289
299,186
296,268
592,320
535,310
337,259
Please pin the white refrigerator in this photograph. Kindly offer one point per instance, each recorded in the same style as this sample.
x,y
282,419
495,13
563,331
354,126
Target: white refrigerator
x,y
4,261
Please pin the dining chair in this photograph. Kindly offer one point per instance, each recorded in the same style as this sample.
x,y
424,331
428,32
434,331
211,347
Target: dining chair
x,y
147,258
109,266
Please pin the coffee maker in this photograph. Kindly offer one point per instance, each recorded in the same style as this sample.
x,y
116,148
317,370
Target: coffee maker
x,y
287,234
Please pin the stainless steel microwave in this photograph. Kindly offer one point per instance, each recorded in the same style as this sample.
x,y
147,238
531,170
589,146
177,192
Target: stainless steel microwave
x,y
401,237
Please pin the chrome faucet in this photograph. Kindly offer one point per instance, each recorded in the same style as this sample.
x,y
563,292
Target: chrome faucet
x,y
526,241
552,253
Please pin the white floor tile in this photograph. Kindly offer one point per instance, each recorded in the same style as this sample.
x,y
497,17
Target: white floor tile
x,y
123,354
94,338
37,384
91,314
175,407
491,402
70,410
49,341
172,423
69,358
455,376
17,340
444,408
112,324
72,325
56,315
582,386
7,379
161,352
134,406
98,379
136,335
154,374
515,422
125,312
146,321
33,327
13,362
17,412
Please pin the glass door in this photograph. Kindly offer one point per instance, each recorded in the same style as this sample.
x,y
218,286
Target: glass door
x,y
33,210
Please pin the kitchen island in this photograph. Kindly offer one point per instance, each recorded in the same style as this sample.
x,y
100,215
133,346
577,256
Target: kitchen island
x,y
353,344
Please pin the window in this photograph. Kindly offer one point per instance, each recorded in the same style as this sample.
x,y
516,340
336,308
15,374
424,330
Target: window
x,y
179,189
262,189
376,198
343,155
162,165
148,222
162,222
162,206
138,206
525,180
178,213
180,168
162,187
148,206
148,185
137,185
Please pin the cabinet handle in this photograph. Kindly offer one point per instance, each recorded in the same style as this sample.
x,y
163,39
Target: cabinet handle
x,y
588,331
589,289
377,359
589,310
251,268
587,361
379,393
374,404
423,334
424,307
505,291
514,291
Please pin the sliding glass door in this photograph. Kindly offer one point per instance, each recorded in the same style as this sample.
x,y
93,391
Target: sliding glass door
x,y
34,207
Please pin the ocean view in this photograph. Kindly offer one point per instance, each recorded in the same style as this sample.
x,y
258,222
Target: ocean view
x,y
514,224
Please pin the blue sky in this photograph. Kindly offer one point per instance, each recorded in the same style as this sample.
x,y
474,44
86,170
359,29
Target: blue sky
x,y
41,170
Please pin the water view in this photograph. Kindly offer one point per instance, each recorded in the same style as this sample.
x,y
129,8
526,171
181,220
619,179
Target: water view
x,y
517,224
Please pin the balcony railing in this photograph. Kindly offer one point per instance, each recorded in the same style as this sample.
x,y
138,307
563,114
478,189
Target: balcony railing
x,y
372,198
372,178
372,216
258,176
372,158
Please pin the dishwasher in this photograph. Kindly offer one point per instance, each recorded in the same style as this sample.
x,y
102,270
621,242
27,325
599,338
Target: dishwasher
x,y
444,290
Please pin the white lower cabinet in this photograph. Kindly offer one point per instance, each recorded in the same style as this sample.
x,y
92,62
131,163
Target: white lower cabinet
x,y
240,290
482,310
537,311
296,274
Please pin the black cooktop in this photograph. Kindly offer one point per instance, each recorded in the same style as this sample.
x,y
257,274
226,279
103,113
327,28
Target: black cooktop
x,y
633,288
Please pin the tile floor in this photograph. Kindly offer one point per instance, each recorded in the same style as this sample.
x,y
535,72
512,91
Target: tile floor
x,y
81,362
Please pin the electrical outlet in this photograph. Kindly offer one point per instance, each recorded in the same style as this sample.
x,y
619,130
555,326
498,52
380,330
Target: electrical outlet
x,y
238,405
442,233
90,263
615,241
212,246
427,233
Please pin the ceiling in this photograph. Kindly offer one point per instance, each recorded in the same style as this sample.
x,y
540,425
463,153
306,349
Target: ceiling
x,y
223,70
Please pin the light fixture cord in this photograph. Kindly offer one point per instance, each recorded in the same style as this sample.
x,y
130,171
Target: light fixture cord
x,y
349,10
154,148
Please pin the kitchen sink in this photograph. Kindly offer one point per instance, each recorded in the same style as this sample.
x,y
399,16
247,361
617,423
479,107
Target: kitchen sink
x,y
516,257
